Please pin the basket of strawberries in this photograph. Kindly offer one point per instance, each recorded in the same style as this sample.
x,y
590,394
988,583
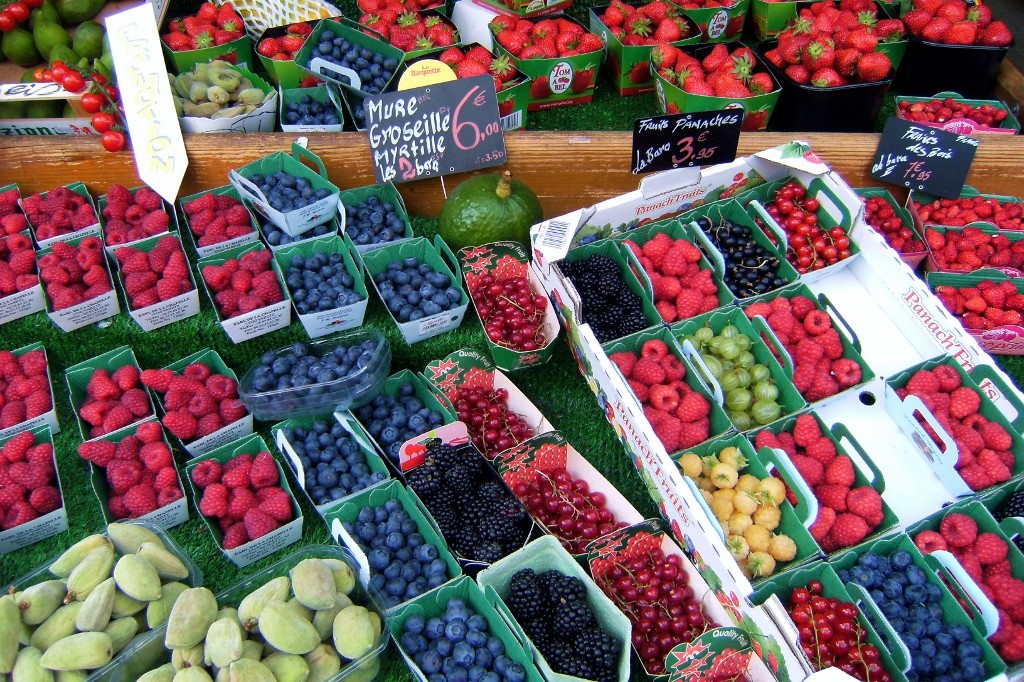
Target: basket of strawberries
x,y
276,50
211,33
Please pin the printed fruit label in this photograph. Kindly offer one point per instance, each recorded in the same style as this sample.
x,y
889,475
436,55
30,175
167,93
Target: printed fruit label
x,y
718,24
561,77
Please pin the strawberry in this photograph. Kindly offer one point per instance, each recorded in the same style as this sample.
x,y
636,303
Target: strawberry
x,y
996,34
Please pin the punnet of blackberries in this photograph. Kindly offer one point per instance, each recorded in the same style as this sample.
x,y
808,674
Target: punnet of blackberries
x,y
333,463
394,418
609,306
403,564
553,611
750,268
478,515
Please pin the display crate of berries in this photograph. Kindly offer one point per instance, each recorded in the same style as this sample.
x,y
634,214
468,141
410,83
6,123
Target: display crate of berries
x,y
1004,212
326,286
815,600
245,523
975,247
930,606
276,187
107,393
431,629
673,398
845,506
437,305
803,322
33,507
560,77
380,526
49,223
212,33
332,458
76,296
546,468
710,77
406,407
373,216
751,384
21,292
988,304
216,220
969,442
276,49
630,33
131,215
310,110
156,280
246,288
519,323
24,368
134,476
569,626
953,113
496,412
895,223
757,522
473,508
198,401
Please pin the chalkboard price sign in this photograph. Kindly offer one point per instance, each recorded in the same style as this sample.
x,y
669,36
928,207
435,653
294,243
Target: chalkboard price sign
x,y
435,130
923,158
681,140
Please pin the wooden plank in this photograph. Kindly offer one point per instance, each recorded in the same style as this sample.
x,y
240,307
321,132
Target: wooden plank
x,y
1010,85
567,170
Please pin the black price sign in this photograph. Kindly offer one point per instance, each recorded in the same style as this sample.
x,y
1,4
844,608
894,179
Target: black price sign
x,y
701,138
923,158
435,130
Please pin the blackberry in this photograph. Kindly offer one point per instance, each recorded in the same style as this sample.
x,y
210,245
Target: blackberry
x,y
599,646
1012,506
492,490
566,588
527,599
425,482
490,552
458,477
578,667
609,307
571,617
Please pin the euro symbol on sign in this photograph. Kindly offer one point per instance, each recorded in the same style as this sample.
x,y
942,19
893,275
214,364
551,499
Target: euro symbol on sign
x,y
480,99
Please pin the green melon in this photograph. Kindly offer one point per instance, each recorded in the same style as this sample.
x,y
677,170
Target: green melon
x,y
489,208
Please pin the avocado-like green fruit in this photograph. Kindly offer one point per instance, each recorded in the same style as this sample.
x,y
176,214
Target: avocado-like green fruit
x,y
47,35
76,11
20,48
489,208
88,39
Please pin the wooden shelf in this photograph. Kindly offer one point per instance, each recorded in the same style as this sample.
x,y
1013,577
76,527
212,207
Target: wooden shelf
x,y
567,170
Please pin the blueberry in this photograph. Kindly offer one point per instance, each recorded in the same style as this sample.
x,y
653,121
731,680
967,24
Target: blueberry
x,y
434,628
432,661
495,646
456,630
445,646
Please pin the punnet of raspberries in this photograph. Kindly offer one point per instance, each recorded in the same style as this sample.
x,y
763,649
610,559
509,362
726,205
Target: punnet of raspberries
x,y
984,448
11,218
971,249
243,285
243,496
216,218
881,215
411,31
954,22
682,289
939,111
197,402
1006,215
984,556
209,27
130,217
57,212
847,512
17,264
654,22
986,305
114,400
819,368
157,275
139,469
284,47
28,480
679,415
24,387
74,274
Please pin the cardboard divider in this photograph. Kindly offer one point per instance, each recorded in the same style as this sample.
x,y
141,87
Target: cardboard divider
x,y
165,312
48,418
214,249
43,526
914,258
94,229
87,312
77,378
387,193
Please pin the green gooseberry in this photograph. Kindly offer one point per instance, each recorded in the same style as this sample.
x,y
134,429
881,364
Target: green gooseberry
x,y
729,382
729,331
704,335
738,399
742,375
746,359
765,411
729,350
743,341
741,420
759,373
766,390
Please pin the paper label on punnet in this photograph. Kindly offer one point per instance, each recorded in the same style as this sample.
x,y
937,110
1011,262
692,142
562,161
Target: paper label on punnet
x,y
20,92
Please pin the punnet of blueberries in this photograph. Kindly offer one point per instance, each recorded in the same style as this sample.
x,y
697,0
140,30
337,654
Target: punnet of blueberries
x,y
320,282
275,236
553,611
394,419
750,268
310,112
334,464
457,646
328,375
910,600
374,69
609,307
403,564
412,290
373,221
286,192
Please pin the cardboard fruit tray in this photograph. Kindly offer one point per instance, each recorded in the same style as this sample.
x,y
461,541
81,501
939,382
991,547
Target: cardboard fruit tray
x,y
898,324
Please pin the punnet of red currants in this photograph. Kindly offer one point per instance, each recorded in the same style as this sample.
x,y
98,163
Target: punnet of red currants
x,y
512,314
493,427
810,246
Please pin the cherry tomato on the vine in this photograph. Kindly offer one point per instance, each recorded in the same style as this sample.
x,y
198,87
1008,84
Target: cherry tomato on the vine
x,y
92,102
102,121
38,73
113,140
99,78
58,71
113,93
73,81
7,22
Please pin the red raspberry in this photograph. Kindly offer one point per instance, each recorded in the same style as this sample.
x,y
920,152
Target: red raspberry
x,y
208,424
823,524
235,536
126,377
128,449
840,471
118,417
990,548
122,475
19,513
157,379
278,506
156,456
102,387
240,501
38,403
45,500
232,410
833,496
32,476
201,404
258,523
17,447
98,452
215,501
33,363
177,399
266,287
11,493
140,500
40,454
237,476
166,478
206,472
958,530
182,424
221,387
197,371
166,496
929,541
263,473
149,432
137,402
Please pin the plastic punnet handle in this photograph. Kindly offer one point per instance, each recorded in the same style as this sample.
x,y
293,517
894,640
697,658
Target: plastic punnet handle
x,y
947,93
446,253
437,393
633,263
299,150
864,602
818,186
856,452
247,188
713,254
806,503
323,67
761,327
978,605
914,404
715,523
491,595
704,374
846,329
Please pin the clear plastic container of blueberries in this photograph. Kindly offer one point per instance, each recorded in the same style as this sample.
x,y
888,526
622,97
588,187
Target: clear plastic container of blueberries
x,y
357,385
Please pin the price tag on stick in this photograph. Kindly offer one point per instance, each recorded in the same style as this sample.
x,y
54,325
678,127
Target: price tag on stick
x,y
701,138
435,130
923,158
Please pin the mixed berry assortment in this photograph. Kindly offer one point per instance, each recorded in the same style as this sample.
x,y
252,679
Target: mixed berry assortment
x,y
882,216
24,387
809,246
373,221
30,487
58,212
197,401
412,290
610,308
375,70
334,464
985,305
113,400
394,418
320,282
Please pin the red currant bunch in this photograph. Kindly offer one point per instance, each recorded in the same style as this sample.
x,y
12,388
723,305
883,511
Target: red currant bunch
x,y
831,636
566,505
492,426
511,313
810,246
